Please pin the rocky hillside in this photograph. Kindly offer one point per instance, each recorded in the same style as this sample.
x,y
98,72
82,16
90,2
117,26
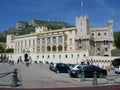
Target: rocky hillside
x,y
23,27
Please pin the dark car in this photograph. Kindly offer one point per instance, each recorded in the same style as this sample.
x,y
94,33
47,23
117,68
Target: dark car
x,y
88,71
71,65
61,68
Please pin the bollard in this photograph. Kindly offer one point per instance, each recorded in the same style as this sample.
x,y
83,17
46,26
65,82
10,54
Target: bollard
x,y
82,76
95,82
14,78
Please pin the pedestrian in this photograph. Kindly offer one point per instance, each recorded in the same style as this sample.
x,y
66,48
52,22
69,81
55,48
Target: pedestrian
x,y
18,60
27,62
12,62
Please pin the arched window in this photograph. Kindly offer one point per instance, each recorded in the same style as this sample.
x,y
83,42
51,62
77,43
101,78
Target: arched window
x,y
60,48
98,34
48,48
54,48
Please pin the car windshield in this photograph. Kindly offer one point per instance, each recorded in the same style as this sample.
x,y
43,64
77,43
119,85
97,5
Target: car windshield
x,y
117,66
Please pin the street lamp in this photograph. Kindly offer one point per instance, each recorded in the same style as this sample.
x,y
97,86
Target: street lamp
x,y
60,58
77,58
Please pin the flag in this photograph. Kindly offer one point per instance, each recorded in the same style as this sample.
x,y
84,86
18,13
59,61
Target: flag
x,y
81,3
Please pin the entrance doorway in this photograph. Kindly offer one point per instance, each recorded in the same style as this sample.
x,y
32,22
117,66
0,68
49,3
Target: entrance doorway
x,y
25,57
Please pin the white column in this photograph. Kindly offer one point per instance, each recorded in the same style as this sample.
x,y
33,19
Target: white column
x,y
40,45
51,43
63,41
57,44
45,44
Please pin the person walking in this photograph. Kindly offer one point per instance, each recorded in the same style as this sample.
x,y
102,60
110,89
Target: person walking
x,y
27,62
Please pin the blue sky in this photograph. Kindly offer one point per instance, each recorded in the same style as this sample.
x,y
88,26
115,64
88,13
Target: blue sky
x,y
98,11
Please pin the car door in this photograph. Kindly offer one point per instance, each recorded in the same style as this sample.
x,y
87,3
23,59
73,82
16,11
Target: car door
x,y
64,68
89,71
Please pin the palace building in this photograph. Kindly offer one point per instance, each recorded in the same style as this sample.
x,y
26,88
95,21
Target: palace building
x,y
68,45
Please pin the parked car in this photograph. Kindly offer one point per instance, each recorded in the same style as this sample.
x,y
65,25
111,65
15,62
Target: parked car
x,y
77,67
61,68
71,65
52,66
117,69
88,71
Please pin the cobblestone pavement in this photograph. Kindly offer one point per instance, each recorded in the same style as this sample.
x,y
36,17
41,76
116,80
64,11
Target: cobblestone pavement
x,y
37,76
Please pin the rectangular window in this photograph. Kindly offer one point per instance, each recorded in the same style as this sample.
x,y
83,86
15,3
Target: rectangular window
x,y
21,43
33,42
38,48
98,34
29,43
42,56
107,42
71,55
70,40
48,40
33,49
15,44
53,56
18,43
81,30
38,41
98,48
60,39
81,23
25,43
48,56
66,56
106,49
43,48
105,34
38,57
59,56
43,40
54,40
70,32
92,34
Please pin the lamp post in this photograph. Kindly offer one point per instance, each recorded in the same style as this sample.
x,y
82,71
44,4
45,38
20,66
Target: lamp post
x,y
60,58
77,60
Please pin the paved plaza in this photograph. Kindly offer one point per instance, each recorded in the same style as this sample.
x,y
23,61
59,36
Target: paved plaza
x,y
39,76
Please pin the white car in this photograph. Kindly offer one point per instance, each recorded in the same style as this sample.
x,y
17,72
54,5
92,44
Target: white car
x,y
117,69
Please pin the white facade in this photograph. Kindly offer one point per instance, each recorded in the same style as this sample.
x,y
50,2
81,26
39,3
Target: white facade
x,y
64,57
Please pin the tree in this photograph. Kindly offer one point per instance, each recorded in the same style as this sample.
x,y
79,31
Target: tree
x,y
116,62
117,40
1,49
9,50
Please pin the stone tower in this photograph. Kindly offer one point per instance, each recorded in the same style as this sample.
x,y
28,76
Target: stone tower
x,y
83,40
82,26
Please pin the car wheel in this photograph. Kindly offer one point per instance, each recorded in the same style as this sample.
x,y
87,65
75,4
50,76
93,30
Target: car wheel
x,y
68,71
57,71
79,75
101,75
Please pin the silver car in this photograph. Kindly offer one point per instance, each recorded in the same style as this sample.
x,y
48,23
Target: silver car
x,y
117,69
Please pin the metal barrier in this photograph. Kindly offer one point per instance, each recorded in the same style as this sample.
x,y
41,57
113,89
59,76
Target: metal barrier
x,y
4,74
112,78
14,78
82,76
95,81
107,79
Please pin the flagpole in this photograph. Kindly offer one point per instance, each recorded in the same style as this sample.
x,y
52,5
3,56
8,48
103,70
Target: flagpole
x,y
81,7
